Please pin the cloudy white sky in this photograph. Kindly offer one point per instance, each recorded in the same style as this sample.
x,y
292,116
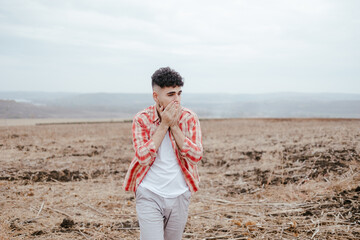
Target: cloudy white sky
x,y
243,46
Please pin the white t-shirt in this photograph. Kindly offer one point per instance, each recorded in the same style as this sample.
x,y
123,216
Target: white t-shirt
x,y
165,177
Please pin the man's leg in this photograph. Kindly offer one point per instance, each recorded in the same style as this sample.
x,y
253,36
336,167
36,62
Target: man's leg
x,y
176,214
149,211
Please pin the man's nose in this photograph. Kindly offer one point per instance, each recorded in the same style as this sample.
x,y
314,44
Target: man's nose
x,y
177,98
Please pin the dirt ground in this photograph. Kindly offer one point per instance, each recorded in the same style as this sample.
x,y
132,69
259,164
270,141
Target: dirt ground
x,y
260,179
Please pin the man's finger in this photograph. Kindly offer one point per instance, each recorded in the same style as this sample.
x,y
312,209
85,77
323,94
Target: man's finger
x,y
172,108
169,106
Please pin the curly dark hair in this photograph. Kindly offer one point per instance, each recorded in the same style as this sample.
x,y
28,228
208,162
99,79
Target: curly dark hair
x,y
166,77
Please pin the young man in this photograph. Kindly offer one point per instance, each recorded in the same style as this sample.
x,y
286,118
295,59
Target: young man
x,y
163,174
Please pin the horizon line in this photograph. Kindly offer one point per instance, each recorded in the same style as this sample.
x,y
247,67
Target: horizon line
x,y
219,93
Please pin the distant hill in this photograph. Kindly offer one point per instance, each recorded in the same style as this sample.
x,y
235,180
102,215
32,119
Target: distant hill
x,y
13,109
120,105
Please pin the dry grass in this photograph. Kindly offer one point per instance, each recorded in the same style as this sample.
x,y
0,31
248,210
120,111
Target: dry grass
x,y
260,179
4,230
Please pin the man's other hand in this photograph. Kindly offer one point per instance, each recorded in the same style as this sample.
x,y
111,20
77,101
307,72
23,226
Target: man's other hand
x,y
171,114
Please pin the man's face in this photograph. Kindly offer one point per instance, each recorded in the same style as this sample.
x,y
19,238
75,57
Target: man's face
x,y
164,96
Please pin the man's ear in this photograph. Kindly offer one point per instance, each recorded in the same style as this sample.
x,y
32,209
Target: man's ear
x,y
155,97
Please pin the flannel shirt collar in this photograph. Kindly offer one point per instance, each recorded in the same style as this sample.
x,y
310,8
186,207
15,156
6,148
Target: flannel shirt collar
x,y
156,117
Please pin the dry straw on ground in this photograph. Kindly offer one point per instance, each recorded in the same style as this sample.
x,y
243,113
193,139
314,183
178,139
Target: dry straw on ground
x,y
260,179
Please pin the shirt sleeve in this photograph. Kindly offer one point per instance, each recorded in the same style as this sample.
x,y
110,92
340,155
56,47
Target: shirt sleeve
x,y
143,145
192,149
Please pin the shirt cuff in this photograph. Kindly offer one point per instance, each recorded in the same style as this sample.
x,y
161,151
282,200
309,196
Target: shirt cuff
x,y
151,146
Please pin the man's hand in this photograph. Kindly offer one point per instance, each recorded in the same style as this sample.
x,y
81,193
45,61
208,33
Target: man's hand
x,y
171,114
179,136
178,114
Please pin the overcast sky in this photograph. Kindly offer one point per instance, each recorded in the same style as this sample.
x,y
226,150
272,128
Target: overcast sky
x,y
217,46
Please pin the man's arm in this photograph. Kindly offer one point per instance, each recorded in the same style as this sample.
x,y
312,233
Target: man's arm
x,y
159,135
145,145
190,147
178,135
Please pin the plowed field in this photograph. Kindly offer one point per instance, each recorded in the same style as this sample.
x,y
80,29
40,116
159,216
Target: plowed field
x,y
260,179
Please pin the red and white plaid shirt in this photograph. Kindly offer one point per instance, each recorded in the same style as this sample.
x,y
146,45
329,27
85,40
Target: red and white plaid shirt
x,y
144,126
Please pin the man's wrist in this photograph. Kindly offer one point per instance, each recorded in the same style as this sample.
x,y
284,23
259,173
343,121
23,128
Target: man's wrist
x,y
164,125
175,127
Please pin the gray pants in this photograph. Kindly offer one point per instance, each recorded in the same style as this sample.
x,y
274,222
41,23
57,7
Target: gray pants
x,y
161,218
